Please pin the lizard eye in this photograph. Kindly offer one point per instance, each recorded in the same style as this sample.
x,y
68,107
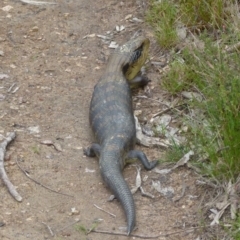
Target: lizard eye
x,y
137,54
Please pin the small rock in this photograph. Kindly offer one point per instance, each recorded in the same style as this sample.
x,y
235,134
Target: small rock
x,y
49,156
2,97
74,211
58,147
35,29
34,130
128,16
147,130
145,178
181,32
13,66
7,8
2,76
113,45
137,112
68,70
192,95
2,224
137,20
120,28
87,170
1,53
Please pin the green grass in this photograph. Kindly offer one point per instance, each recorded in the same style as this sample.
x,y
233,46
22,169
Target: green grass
x,y
212,72
215,75
162,16
212,15
235,230
203,14
175,153
209,71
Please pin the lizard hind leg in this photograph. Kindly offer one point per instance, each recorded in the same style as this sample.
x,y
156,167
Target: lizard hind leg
x,y
143,159
93,150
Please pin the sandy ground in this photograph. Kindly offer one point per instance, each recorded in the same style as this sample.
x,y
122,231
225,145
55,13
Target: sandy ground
x,y
52,69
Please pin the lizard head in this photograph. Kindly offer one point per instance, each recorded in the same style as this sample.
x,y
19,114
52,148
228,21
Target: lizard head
x,y
137,52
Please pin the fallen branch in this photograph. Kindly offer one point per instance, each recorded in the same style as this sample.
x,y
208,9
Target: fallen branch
x,y
42,185
12,190
145,237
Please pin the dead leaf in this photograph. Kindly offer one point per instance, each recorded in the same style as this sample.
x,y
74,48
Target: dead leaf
x,y
2,76
57,146
167,191
184,159
113,45
148,141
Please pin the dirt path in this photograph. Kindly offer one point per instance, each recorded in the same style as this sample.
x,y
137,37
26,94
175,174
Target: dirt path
x,y
55,69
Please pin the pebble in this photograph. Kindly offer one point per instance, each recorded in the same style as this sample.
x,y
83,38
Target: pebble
x,y
35,29
7,8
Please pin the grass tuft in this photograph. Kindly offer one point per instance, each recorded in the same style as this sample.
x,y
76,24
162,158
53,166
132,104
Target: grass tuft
x,y
203,14
205,68
162,16
214,74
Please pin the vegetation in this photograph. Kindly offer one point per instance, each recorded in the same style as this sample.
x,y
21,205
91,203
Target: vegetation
x,y
210,71
163,18
208,64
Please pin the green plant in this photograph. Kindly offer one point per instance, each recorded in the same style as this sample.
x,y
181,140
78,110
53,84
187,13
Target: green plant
x,y
175,79
215,75
36,149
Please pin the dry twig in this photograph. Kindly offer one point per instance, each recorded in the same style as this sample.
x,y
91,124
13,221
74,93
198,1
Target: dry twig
x,y
3,173
168,109
113,215
67,226
42,185
49,229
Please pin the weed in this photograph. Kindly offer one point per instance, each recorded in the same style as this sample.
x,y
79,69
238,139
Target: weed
x,y
215,75
211,71
81,228
175,153
36,149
